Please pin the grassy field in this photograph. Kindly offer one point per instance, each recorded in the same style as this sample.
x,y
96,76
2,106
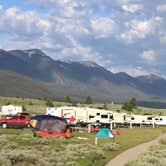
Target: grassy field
x,y
19,147
155,156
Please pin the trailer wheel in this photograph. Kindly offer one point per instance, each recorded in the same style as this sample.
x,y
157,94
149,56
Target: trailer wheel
x,y
4,125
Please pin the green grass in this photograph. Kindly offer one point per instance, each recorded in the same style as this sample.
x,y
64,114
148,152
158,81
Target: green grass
x,y
36,151
20,147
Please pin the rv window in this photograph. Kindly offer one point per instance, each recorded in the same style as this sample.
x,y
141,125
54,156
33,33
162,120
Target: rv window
x,y
98,113
149,118
90,116
161,119
132,118
104,116
111,117
156,119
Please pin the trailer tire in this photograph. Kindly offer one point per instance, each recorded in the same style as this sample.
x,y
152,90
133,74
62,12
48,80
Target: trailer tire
x,y
4,125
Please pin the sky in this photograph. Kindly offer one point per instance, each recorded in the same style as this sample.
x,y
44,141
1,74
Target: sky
x,y
121,35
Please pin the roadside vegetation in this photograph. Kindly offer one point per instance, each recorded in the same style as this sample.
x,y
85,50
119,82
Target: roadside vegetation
x,y
155,156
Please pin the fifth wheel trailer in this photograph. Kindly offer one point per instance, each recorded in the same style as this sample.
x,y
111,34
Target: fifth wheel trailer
x,y
86,115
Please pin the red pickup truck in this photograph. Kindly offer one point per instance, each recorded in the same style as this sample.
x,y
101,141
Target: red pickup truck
x,y
19,120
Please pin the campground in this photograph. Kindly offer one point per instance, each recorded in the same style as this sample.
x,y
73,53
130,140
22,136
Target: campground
x,y
20,147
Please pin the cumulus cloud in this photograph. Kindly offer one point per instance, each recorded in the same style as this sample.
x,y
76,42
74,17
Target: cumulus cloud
x,y
140,29
149,56
132,8
111,33
103,27
161,8
14,21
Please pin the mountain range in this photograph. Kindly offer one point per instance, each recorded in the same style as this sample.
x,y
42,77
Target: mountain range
x,y
31,73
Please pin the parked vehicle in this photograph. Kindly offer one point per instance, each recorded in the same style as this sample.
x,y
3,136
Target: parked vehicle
x,y
18,121
10,110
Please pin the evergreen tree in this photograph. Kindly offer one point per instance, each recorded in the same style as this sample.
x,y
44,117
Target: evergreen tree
x,y
127,106
24,108
105,106
67,99
49,103
88,100
133,102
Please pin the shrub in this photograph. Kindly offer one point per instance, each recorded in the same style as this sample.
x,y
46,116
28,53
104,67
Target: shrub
x,y
111,146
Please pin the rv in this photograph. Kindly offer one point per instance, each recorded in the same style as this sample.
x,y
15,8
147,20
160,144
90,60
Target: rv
x,y
11,110
86,115
160,120
141,119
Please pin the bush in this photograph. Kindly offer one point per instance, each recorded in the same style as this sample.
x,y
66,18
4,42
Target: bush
x,y
111,146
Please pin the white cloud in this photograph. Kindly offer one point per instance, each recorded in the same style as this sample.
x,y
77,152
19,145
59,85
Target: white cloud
x,y
149,56
1,7
97,30
132,8
140,29
161,8
103,27
134,71
14,21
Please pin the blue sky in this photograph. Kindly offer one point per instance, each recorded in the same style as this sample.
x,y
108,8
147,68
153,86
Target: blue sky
x,y
121,35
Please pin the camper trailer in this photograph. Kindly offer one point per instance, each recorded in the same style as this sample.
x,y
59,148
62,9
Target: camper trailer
x,y
11,110
160,120
141,119
86,115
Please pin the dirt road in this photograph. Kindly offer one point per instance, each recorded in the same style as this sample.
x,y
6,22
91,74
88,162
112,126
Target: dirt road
x,y
133,153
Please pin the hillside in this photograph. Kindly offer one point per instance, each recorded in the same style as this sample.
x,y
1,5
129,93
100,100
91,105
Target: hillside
x,y
56,79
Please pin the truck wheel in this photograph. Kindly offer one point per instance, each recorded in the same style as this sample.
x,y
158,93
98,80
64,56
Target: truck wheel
x,y
4,125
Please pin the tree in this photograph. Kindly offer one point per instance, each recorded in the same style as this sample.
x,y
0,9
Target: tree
x,y
133,102
105,106
49,103
24,108
88,100
127,106
67,99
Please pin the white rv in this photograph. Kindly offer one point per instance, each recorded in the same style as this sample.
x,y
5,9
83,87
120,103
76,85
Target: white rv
x,y
11,110
88,115
160,120
141,119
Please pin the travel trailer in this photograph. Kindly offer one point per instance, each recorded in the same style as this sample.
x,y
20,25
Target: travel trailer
x,y
86,115
141,119
160,120
11,110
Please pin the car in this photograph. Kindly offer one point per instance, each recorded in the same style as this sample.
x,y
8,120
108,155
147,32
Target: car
x,y
19,121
